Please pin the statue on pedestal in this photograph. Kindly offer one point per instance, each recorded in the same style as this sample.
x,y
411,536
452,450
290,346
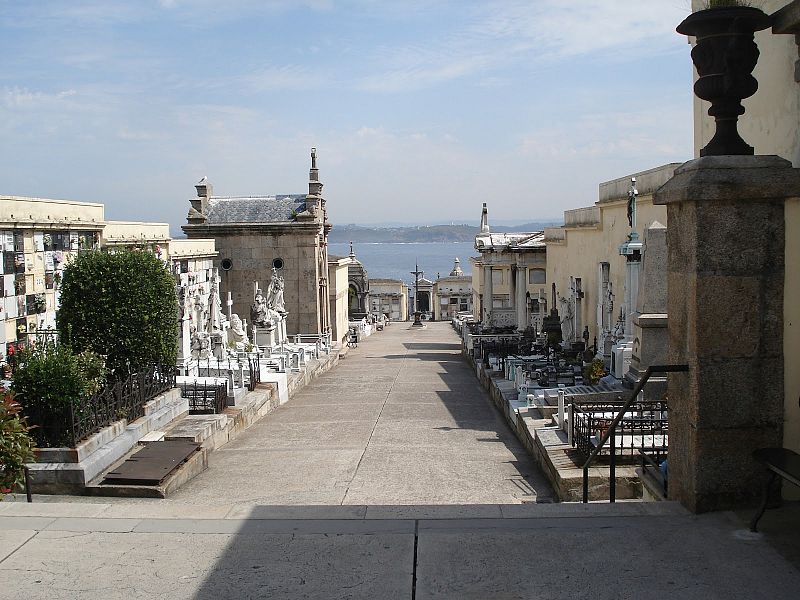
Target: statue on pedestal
x,y
567,325
259,312
275,293
236,334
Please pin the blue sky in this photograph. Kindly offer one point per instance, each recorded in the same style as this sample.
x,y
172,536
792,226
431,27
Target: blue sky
x,y
420,110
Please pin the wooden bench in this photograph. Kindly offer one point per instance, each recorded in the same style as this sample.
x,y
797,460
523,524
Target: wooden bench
x,y
779,462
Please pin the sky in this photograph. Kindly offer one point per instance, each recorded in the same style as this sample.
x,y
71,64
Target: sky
x,y
420,110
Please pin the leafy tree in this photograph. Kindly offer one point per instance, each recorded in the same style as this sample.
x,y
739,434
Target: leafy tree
x,y
16,446
121,305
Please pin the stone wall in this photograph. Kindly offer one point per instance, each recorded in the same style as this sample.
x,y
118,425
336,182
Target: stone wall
x,y
252,255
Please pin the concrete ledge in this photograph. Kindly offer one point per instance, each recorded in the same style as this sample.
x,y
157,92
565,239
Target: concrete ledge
x,y
71,470
197,463
559,461
103,449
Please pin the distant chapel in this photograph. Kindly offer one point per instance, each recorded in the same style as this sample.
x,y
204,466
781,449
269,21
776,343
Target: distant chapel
x,y
254,234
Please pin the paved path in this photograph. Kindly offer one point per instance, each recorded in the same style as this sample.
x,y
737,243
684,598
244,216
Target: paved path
x,y
531,551
401,420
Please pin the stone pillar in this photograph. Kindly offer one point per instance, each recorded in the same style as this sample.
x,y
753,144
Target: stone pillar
x,y
650,339
522,303
512,289
633,267
488,295
726,246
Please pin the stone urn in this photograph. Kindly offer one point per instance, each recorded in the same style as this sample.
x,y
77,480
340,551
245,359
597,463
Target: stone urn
x,y
725,56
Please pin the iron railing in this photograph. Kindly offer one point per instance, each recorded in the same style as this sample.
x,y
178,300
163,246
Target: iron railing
x,y
77,419
610,433
254,367
644,428
205,398
121,399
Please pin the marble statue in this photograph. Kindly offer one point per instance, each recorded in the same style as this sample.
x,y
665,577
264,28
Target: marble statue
x,y
201,344
567,322
259,310
236,333
275,293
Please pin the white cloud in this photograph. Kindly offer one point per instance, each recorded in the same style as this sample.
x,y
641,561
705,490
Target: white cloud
x,y
513,33
25,99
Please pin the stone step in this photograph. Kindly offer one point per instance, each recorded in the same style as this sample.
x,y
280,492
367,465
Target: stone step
x,y
196,428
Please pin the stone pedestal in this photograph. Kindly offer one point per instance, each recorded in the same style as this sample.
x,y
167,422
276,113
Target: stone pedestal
x,y
650,336
726,240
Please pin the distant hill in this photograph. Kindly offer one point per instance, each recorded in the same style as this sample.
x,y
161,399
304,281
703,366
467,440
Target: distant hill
x,y
422,233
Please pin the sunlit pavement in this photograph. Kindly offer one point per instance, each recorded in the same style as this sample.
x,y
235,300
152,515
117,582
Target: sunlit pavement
x,y
390,477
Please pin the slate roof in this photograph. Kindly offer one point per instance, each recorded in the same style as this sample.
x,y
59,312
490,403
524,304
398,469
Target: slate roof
x,y
255,209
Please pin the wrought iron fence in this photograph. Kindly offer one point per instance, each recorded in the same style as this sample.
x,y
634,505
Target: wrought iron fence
x,y
120,399
254,367
205,398
610,434
645,428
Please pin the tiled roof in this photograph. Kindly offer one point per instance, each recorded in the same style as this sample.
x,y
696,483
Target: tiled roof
x,y
255,209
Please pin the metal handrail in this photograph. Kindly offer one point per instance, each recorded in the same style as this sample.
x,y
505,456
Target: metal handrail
x,y
611,432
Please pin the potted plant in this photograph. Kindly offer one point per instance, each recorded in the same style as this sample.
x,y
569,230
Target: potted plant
x,y
725,56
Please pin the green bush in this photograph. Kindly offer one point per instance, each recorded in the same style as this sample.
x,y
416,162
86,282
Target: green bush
x,y
16,446
47,381
121,305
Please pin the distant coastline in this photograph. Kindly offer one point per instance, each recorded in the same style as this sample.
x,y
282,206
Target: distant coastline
x,y
422,233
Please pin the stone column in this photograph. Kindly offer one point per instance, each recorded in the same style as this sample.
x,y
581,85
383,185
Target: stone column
x,y
512,288
726,246
522,303
650,339
488,294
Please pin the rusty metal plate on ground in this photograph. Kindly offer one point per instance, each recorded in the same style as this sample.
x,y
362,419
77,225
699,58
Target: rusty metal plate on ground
x,y
152,464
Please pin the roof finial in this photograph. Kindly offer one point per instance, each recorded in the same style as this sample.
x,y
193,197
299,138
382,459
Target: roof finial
x,y
484,219
456,272
313,158
352,252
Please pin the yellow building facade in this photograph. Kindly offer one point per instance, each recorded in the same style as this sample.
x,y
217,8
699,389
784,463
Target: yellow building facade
x,y
583,256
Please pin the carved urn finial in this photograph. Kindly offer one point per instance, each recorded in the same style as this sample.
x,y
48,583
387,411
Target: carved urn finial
x,y
725,56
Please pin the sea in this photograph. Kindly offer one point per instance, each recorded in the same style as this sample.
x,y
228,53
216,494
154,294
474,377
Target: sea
x,y
397,260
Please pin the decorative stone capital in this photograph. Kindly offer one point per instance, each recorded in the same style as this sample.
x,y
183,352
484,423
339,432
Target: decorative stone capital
x,y
731,178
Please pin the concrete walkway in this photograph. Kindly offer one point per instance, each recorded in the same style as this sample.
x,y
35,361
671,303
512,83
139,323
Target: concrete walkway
x,y
530,551
392,477
401,420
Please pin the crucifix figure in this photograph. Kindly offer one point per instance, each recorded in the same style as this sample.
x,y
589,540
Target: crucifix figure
x,y
416,273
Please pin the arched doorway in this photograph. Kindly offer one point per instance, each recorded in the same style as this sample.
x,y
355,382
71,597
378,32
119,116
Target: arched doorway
x,y
424,301
353,299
